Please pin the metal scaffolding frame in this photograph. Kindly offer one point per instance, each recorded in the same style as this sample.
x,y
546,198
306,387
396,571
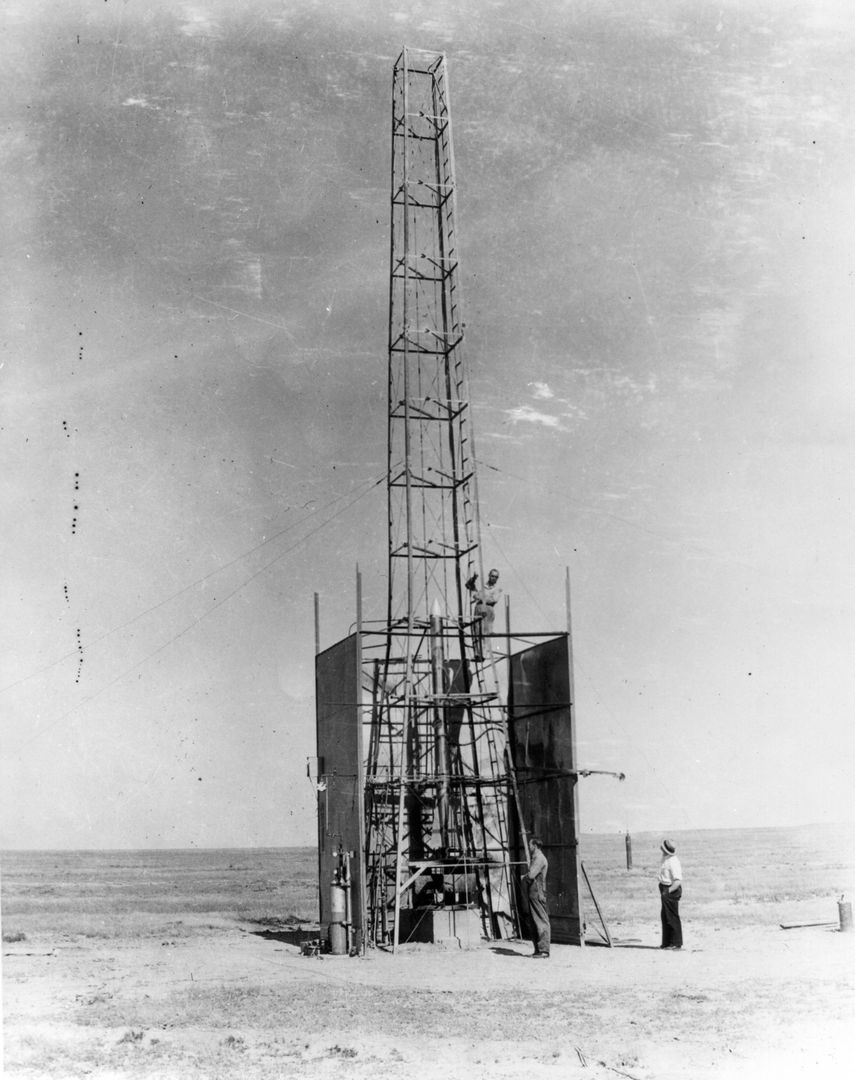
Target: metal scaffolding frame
x,y
436,779
422,819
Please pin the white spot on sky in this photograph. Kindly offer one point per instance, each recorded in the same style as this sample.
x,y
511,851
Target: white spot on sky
x,y
541,390
198,23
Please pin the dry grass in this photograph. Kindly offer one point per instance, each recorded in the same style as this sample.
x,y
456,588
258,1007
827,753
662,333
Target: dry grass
x,y
148,894
131,895
728,873
122,968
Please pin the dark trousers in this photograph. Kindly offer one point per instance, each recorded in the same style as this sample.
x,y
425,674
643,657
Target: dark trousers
x,y
672,928
539,918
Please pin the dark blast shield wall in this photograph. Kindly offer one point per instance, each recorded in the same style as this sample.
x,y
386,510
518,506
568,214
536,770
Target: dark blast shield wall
x,y
340,775
543,745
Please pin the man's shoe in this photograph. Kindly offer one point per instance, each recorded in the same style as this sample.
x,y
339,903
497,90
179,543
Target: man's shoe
x,y
673,948
540,956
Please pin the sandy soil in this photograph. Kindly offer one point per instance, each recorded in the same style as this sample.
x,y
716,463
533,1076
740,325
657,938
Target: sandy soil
x,y
220,1000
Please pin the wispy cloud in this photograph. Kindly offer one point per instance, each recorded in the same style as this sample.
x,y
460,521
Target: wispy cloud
x,y
519,440
525,414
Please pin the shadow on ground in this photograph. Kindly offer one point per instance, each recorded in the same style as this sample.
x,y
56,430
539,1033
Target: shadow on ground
x,y
288,937
628,945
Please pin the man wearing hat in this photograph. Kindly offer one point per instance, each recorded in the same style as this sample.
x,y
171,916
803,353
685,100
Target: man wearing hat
x,y
535,881
670,891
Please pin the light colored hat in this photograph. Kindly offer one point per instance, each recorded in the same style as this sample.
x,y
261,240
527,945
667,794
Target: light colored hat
x,y
667,848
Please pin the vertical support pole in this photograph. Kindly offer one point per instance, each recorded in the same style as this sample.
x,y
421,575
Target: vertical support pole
x,y
317,625
405,316
408,667
573,750
508,638
363,910
514,791
628,850
358,600
441,763
390,375
399,848
348,905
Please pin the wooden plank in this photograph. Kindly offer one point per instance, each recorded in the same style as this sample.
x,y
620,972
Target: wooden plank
x,y
596,905
799,925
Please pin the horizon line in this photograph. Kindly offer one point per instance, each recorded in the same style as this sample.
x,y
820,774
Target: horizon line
x,y
312,846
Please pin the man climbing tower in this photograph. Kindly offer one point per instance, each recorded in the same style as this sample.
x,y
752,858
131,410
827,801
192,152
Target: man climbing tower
x,y
483,612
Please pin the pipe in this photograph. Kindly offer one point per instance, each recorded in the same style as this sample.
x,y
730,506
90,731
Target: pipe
x,y
348,905
442,762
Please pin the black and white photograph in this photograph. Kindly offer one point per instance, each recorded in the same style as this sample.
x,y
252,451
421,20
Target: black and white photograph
x,y
428,524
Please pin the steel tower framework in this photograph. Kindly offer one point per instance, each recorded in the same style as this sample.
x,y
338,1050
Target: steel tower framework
x,y
437,746
436,767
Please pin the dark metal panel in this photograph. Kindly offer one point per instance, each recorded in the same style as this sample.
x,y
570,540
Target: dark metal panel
x,y
543,743
340,802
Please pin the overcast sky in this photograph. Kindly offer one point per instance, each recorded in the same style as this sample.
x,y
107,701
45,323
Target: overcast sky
x,y
655,200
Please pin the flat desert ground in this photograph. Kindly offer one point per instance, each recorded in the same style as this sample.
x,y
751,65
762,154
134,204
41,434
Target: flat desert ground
x,y
187,964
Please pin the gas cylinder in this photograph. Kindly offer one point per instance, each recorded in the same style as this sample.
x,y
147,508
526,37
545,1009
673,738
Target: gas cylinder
x,y
338,919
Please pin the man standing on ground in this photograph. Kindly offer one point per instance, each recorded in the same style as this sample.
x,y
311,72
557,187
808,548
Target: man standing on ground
x,y
670,891
535,881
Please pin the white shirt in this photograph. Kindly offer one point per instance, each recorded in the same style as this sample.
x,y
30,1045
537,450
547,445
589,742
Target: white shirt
x,y
486,598
537,866
670,870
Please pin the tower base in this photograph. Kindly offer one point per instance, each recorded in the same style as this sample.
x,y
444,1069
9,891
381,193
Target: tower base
x,y
460,926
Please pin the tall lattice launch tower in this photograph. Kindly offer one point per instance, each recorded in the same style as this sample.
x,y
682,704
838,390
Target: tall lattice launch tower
x,y
436,796
418,790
